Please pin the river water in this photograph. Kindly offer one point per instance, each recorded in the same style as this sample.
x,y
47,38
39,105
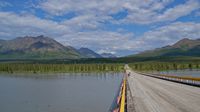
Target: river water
x,y
67,92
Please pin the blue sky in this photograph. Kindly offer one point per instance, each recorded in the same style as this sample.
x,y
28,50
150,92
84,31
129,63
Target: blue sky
x,y
121,27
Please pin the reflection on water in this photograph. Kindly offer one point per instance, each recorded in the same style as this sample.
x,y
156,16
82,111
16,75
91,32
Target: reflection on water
x,y
67,92
186,72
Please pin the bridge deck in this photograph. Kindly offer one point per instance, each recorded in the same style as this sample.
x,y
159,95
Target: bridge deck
x,y
155,95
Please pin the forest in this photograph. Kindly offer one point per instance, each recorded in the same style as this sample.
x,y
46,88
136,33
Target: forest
x,y
163,66
61,68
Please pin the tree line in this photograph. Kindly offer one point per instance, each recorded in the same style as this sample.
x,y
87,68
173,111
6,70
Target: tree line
x,y
142,66
160,66
34,68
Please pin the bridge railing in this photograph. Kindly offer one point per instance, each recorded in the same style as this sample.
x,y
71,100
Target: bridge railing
x,y
123,97
194,81
120,100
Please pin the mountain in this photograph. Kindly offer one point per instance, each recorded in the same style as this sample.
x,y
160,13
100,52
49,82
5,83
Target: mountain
x,y
36,47
89,53
184,47
108,55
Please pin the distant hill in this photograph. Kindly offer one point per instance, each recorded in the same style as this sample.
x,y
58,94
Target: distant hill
x,y
88,53
108,55
36,47
184,47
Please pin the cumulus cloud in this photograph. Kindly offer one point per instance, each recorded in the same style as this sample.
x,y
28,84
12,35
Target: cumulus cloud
x,y
13,25
99,40
17,25
86,28
60,7
85,22
155,11
139,12
179,10
169,34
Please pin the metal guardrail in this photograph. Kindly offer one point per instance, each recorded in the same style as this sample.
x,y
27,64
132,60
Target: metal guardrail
x,y
184,80
120,100
122,103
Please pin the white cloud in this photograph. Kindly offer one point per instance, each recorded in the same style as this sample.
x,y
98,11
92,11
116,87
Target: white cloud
x,y
98,40
180,10
86,22
169,34
13,25
139,12
103,41
85,29
158,13
60,7
18,25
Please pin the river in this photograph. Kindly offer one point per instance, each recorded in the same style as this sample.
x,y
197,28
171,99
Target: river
x,y
65,92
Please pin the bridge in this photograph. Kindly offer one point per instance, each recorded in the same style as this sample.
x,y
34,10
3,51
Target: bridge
x,y
150,93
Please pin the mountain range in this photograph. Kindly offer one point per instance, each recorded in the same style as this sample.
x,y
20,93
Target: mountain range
x,y
89,53
184,47
36,47
41,47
